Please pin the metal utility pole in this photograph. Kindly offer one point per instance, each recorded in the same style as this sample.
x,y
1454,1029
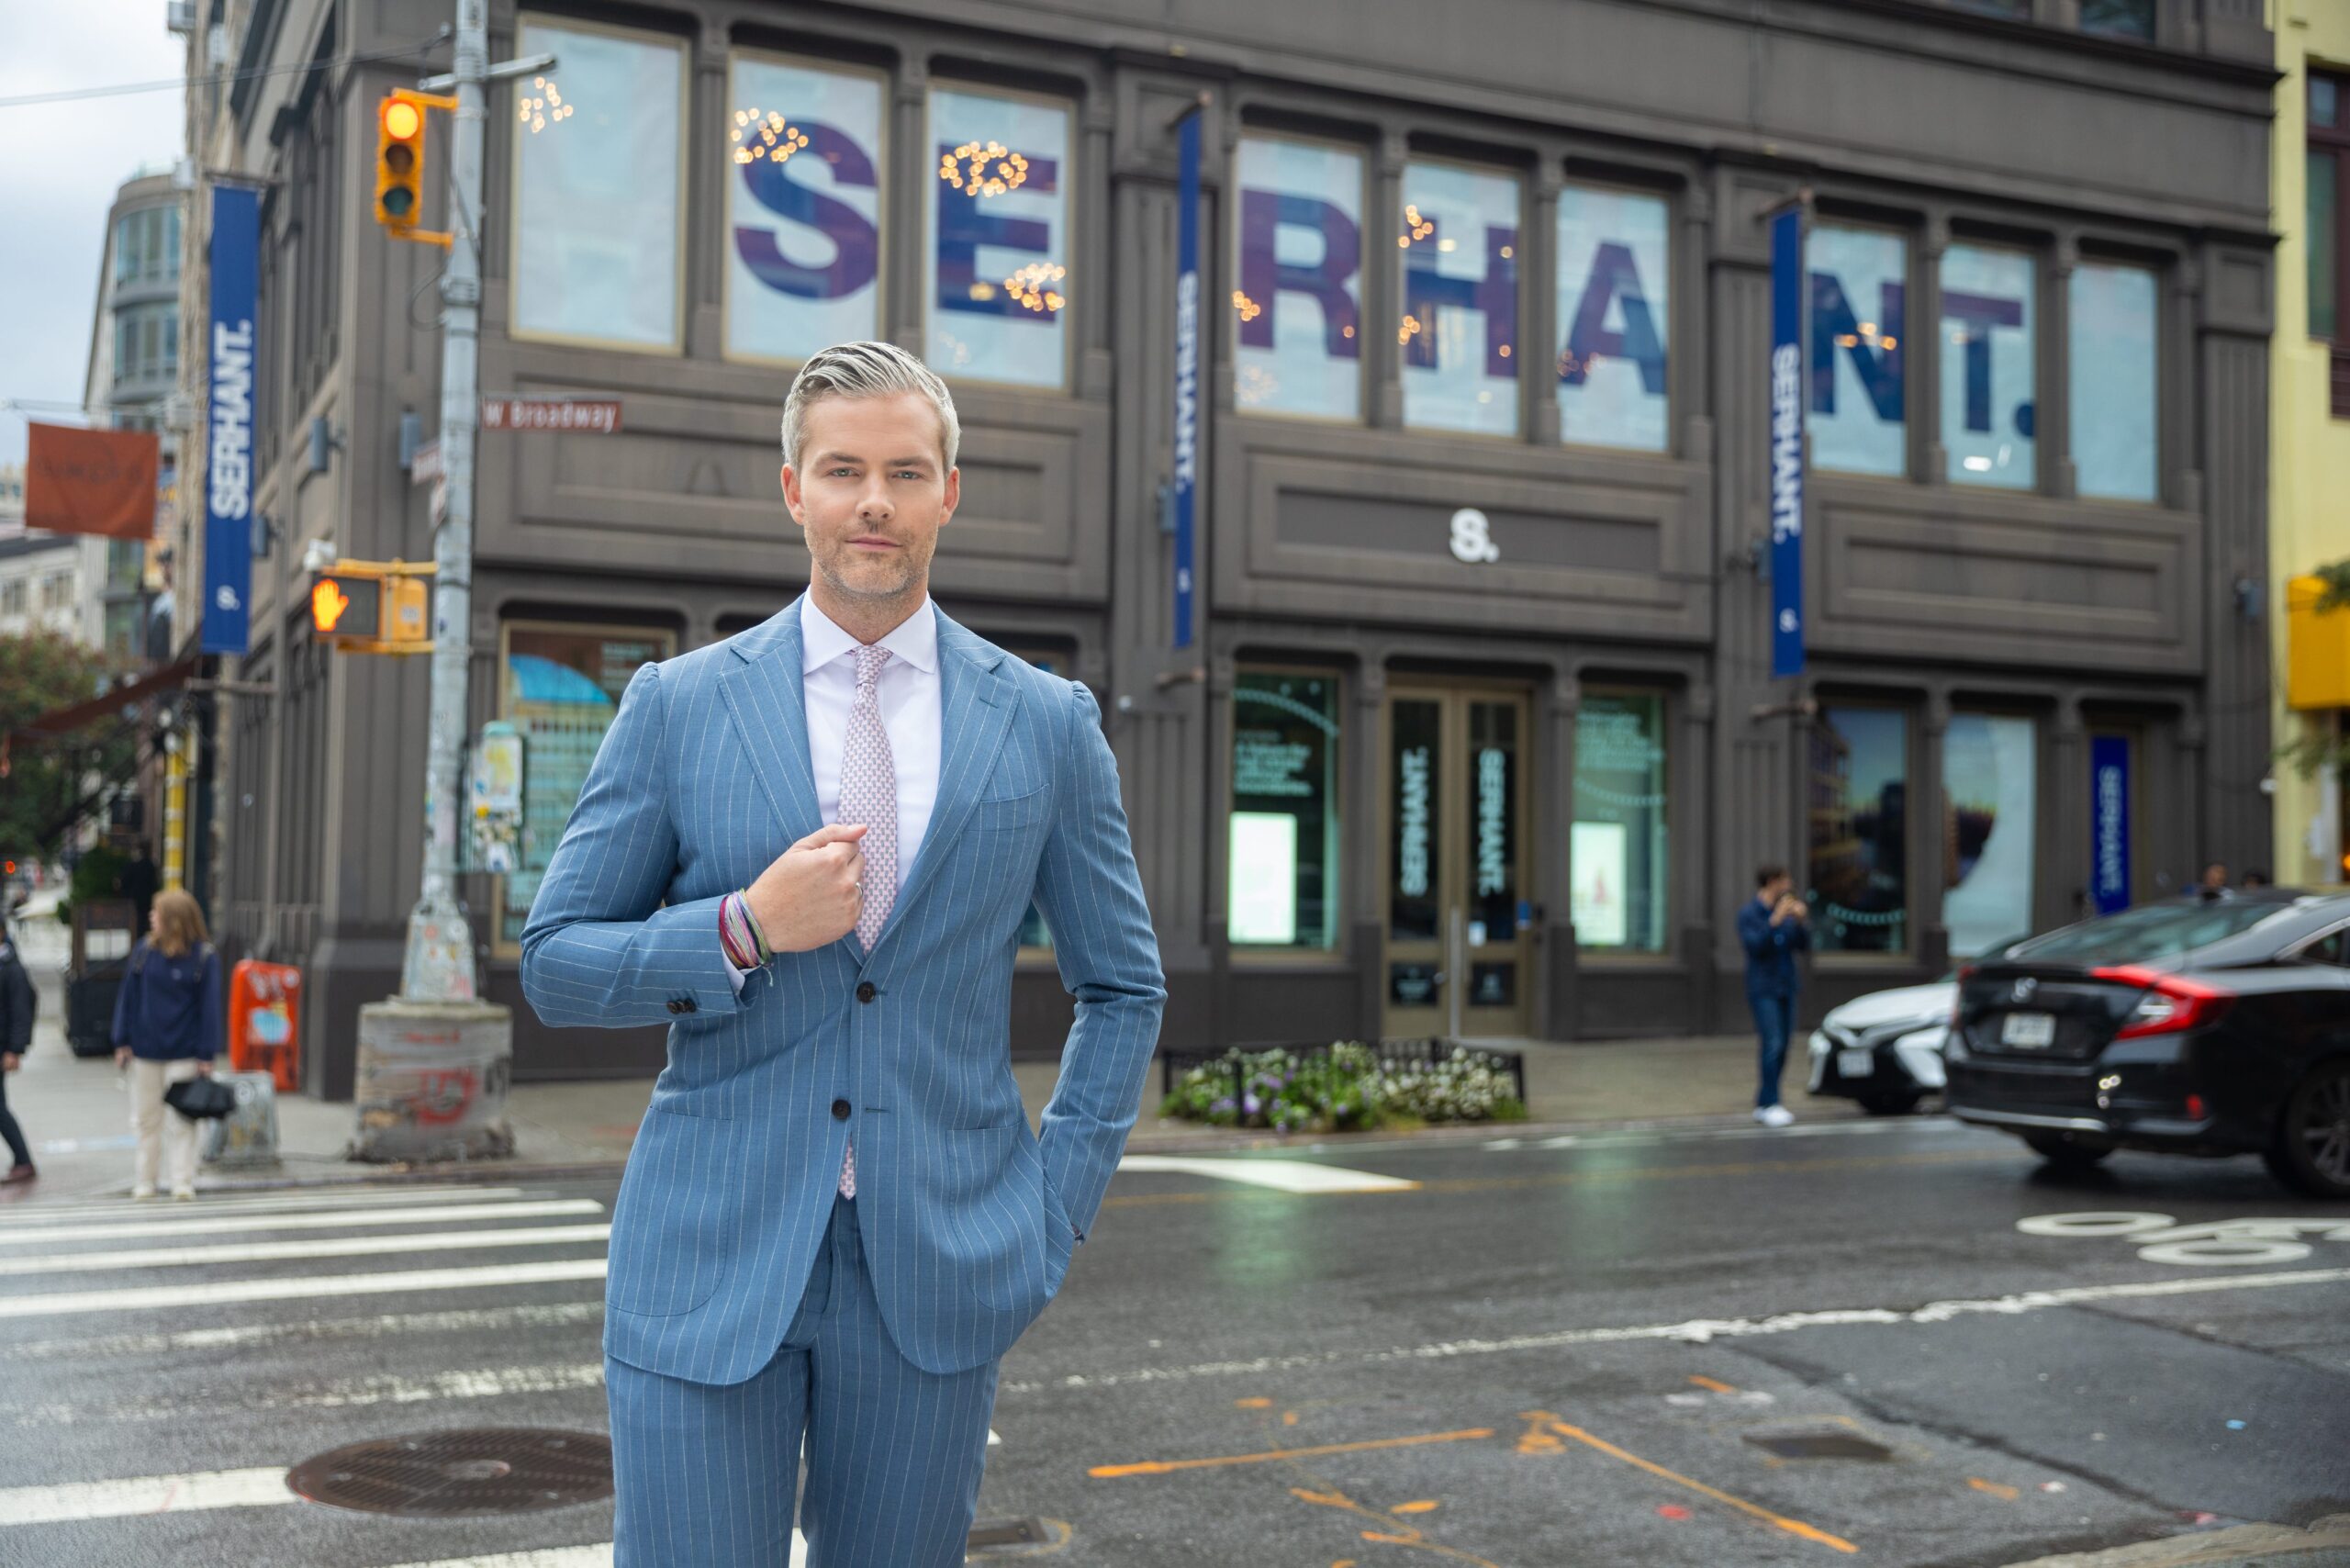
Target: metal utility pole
x,y
438,966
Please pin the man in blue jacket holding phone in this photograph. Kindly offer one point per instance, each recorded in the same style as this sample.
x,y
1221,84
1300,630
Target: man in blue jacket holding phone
x,y
1772,927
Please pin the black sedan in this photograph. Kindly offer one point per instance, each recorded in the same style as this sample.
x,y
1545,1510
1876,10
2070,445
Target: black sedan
x,y
2193,1026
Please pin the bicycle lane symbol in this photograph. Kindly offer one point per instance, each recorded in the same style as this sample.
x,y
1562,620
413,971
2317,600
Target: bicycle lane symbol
x,y
2211,1244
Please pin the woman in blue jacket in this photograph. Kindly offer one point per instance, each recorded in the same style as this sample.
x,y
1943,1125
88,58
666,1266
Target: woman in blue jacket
x,y
168,1025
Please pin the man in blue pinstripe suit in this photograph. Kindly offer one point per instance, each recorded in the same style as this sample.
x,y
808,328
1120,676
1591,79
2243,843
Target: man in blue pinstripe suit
x,y
810,848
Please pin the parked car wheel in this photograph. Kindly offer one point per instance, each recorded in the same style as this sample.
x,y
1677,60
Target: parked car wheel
x,y
2064,1152
1897,1103
2313,1150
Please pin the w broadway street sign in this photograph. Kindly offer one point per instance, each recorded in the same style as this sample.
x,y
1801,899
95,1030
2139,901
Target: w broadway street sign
x,y
587,416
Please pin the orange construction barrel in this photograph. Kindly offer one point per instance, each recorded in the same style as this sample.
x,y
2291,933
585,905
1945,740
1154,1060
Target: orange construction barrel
x,y
264,1021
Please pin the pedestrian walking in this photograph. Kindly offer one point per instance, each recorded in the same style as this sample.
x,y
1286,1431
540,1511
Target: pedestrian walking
x,y
168,1025
18,1003
1774,927
808,849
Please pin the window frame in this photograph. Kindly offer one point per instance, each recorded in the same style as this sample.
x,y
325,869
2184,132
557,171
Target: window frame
x,y
1521,431
2335,140
500,948
683,48
1338,954
2040,349
1670,198
885,167
1666,954
1229,346
1912,730
1070,105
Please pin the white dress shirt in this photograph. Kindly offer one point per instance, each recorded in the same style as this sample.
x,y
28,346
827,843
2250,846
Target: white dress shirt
x,y
910,715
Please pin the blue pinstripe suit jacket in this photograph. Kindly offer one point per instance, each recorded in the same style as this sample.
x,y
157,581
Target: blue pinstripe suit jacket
x,y
968,1218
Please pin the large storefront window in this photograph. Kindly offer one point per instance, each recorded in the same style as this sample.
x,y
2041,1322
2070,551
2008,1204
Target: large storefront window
x,y
1990,778
1283,872
1856,794
805,157
1297,276
1613,292
1859,290
599,182
560,686
1619,855
1988,415
996,275
1458,254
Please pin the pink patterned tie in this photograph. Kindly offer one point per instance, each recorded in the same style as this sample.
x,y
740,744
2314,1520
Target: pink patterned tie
x,y
869,795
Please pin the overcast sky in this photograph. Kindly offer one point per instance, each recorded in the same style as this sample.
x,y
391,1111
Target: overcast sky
x,y
60,164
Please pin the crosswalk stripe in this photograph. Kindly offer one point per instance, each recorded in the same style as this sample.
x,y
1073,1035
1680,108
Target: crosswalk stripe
x,y
205,1225
144,1494
323,1246
569,1557
130,1209
296,1288
466,1320
1282,1175
382,1388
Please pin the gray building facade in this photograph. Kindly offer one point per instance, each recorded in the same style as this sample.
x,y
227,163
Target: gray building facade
x,y
1475,732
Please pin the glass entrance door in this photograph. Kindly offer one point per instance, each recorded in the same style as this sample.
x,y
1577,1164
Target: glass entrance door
x,y
1458,957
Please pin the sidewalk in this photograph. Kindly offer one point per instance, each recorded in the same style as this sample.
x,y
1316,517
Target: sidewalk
x,y
76,1117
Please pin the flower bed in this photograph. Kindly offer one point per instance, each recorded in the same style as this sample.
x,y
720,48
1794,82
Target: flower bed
x,y
1347,1086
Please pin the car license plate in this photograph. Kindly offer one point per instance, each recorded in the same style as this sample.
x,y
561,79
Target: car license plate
x,y
2029,1031
1860,1063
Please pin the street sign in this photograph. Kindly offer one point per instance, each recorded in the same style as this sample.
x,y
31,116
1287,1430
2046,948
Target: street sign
x,y
425,466
591,416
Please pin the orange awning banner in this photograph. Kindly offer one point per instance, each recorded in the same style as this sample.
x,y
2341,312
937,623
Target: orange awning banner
x,y
97,481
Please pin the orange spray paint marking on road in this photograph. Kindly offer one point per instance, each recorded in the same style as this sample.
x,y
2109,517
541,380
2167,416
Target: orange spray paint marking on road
x,y
1422,1508
1401,1535
1170,1466
1710,1387
1777,1521
1997,1489
1252,1405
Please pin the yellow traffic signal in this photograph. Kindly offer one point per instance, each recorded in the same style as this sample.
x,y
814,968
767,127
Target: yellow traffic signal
x,y
373,607
400,162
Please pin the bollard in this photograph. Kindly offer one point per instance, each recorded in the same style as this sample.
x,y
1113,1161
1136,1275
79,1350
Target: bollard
x,y
248,1134
433,1080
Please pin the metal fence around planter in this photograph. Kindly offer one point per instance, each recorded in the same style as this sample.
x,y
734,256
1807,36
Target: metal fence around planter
x,y
1421,1053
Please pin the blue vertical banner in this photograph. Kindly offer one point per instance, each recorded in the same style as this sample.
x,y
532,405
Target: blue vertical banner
x,y
229,426
1786,442
2110,822
1187,369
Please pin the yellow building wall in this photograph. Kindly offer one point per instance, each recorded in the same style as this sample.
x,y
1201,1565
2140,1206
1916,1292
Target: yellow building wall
x,y
2309,464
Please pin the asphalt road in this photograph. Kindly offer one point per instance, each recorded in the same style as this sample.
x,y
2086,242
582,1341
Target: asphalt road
x,y
1862,1339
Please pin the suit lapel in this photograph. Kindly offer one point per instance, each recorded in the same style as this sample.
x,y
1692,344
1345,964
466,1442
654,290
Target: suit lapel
x,y
765,698
975,704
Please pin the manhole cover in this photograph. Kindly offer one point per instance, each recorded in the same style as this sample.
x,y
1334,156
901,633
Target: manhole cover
x,y
998,1535
476,1470
1819,1445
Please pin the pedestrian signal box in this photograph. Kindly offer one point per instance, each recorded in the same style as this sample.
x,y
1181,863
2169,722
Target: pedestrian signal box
x,y
373,607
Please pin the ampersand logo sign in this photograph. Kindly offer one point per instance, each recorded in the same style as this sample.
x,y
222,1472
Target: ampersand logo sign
x,y
1472,538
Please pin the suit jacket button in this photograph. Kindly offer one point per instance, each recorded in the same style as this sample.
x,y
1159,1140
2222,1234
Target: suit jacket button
x,y
865,992
840,1110
688,1005
676,1006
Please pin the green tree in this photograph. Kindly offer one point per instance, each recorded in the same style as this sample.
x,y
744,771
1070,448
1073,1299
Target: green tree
x,y
43,791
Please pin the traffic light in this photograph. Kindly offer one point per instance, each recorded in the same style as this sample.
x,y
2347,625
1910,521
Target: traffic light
x,y
400,162
373,607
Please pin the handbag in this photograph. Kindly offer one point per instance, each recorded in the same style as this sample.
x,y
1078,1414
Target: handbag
x,y
201,1099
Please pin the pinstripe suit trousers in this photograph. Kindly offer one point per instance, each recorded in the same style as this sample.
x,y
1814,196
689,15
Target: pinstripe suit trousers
x,y
706,1472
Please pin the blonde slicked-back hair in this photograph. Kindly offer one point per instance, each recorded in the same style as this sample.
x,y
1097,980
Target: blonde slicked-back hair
x,y
865,370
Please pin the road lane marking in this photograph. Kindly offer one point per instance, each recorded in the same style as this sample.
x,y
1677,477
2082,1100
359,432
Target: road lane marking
x,y
2217,1243
469,1320
219,1292
144,1494
598,1556
1696,1331
207,1224
1170,1466
128,1209
324,1247
1777,1521
1281,1175
384,1388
